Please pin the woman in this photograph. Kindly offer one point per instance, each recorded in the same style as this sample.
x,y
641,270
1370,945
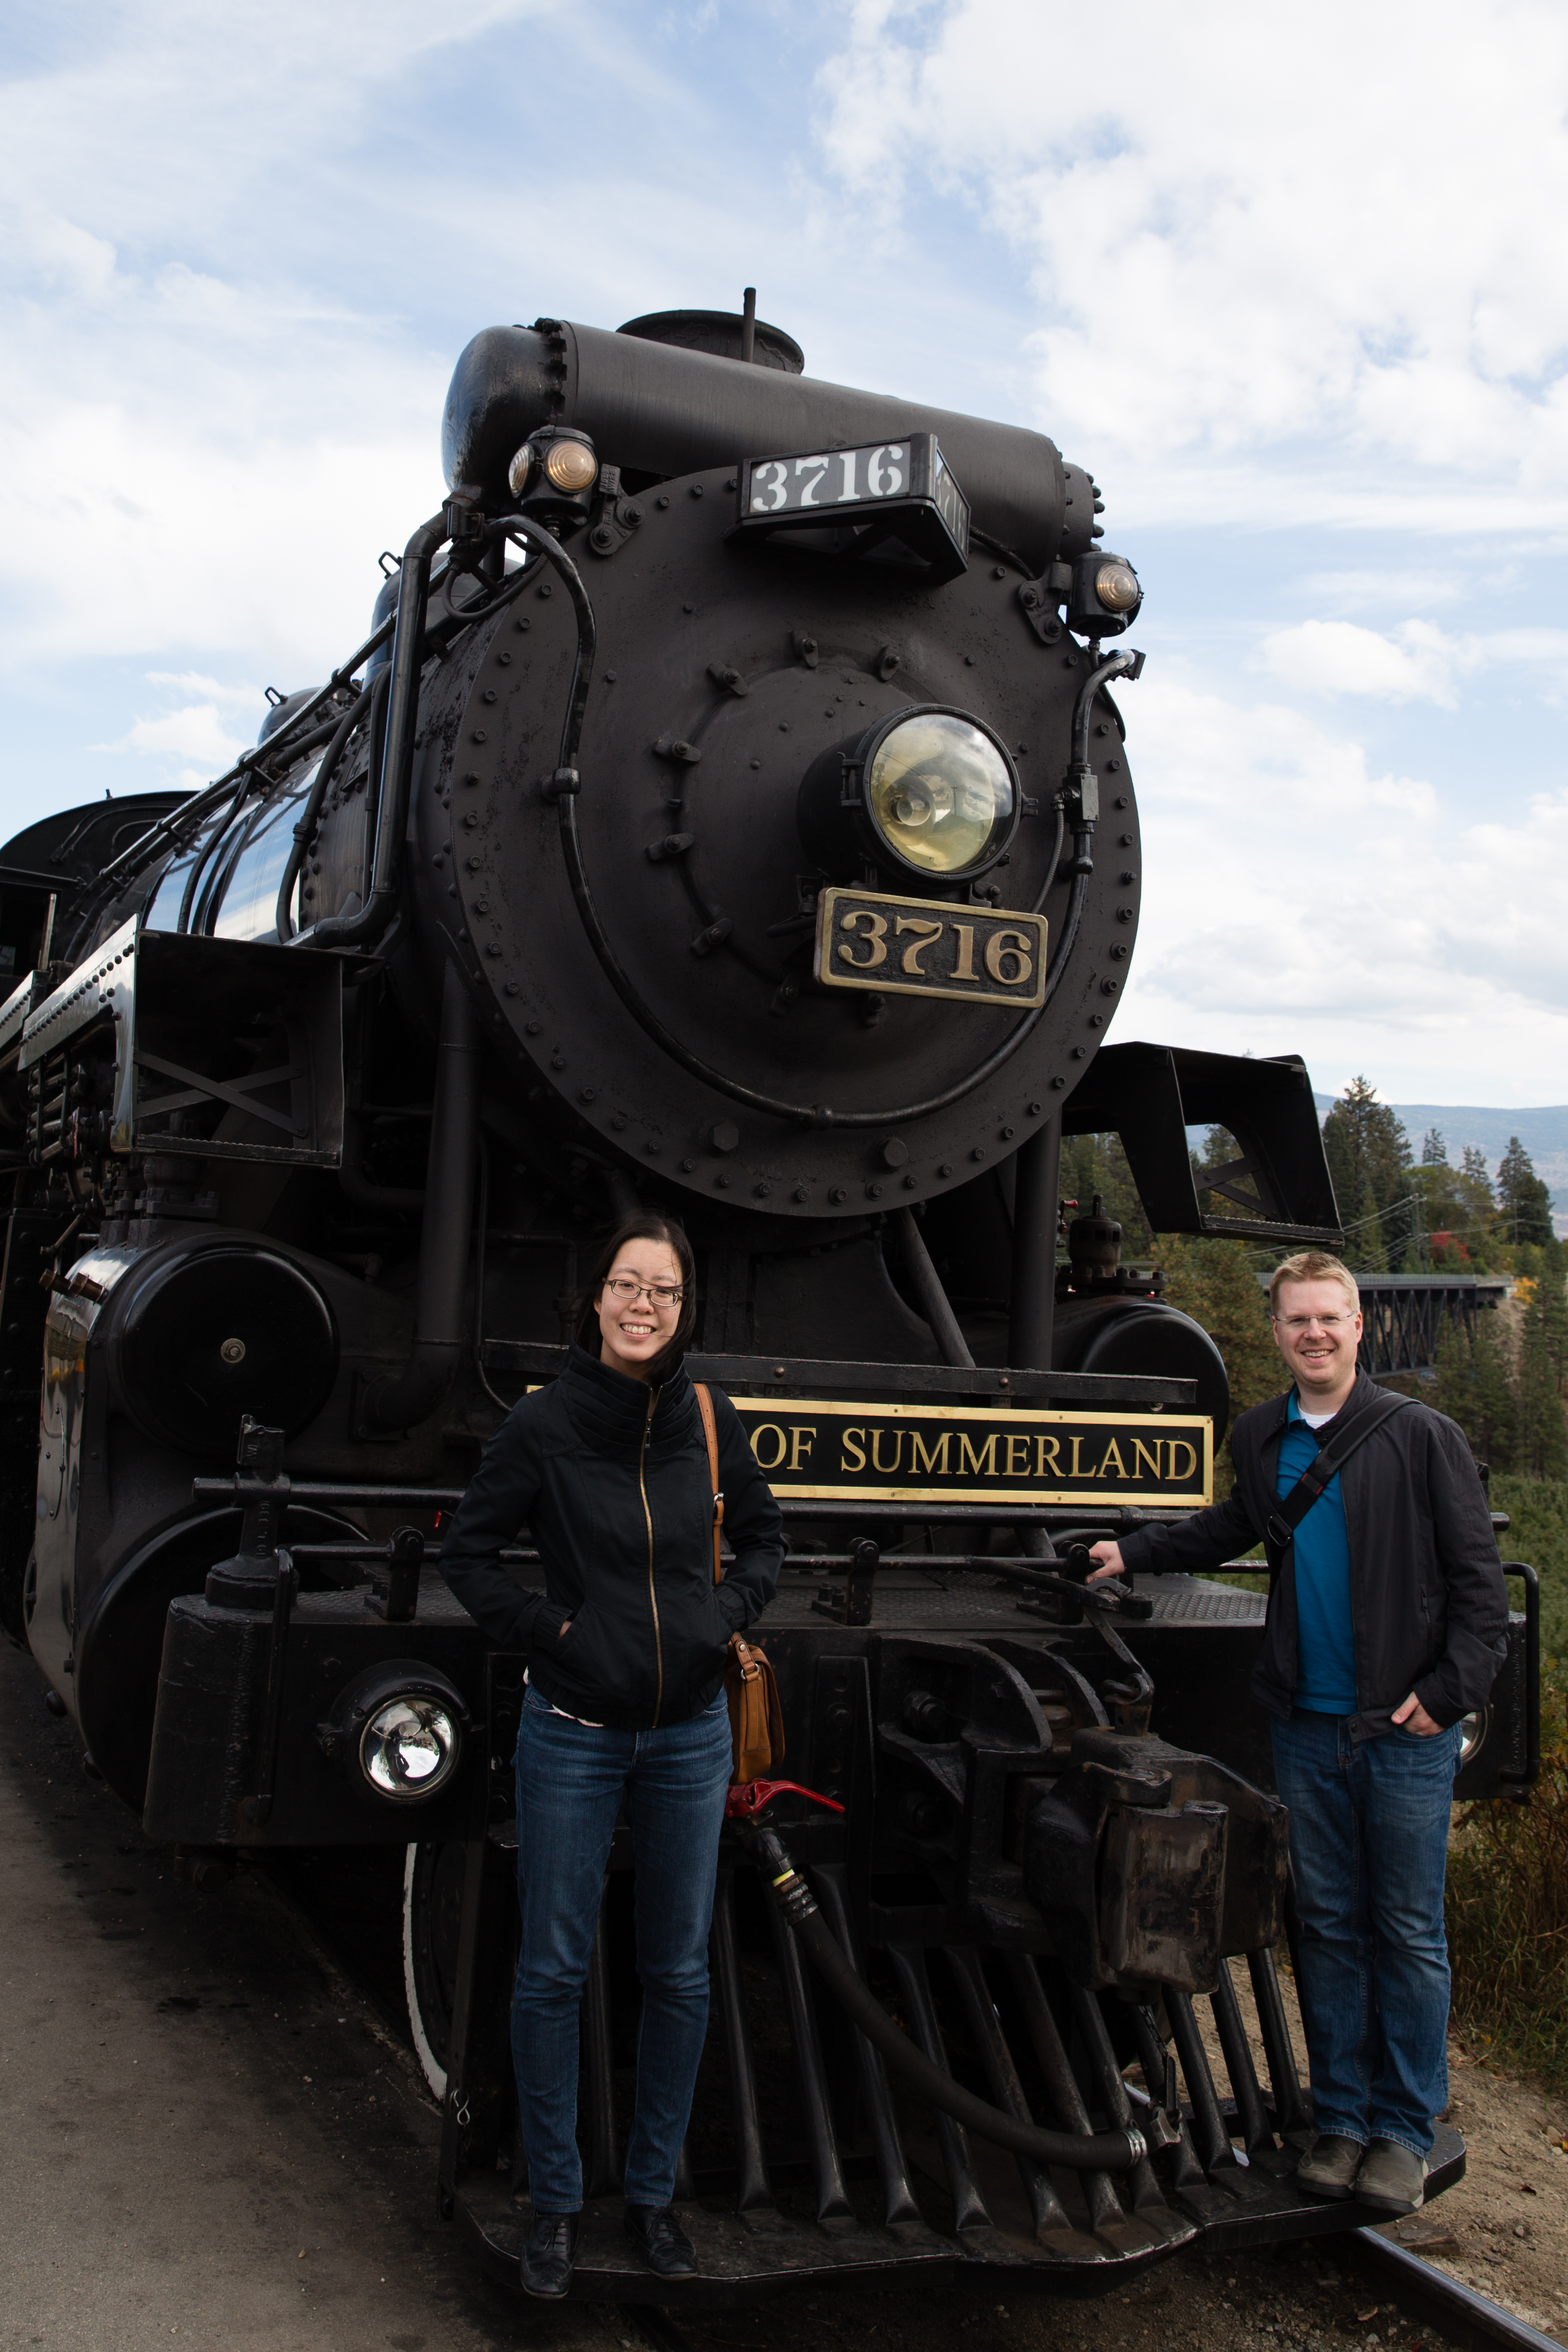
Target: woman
x,y
609,1469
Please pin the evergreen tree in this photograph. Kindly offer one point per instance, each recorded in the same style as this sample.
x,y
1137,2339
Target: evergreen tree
x,y
1476,1388
1368,1156
1523,1199
1541,1442
1434,1150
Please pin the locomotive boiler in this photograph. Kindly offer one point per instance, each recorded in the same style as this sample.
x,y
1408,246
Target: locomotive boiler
x,y
728,809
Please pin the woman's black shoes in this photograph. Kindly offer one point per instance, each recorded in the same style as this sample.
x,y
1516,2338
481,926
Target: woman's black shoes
x,y
661,2240
549,2254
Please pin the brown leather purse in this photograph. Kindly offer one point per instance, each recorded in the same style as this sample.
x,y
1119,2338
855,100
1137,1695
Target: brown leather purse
x,y
756,1719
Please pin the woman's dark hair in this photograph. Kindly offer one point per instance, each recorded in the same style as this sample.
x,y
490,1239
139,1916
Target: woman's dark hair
x,y
647,1226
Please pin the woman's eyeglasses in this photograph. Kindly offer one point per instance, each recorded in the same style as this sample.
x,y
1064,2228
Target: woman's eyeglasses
x,y
658,1293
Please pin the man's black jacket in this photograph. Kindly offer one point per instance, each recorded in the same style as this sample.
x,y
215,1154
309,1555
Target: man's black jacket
x,y
611,1477
1429,1605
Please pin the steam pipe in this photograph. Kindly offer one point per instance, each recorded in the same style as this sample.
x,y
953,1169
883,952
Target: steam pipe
x,y
364,927
441,1321
1032,1303
935,1304
1112,2151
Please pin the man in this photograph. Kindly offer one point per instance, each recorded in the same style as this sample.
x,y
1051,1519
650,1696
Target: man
x,y
1387,1621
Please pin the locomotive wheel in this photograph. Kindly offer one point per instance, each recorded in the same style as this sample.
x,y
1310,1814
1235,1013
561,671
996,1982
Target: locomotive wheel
x,y
431,1905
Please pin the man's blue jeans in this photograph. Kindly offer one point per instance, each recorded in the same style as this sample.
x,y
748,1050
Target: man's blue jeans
x,y
570,1782
1369,1837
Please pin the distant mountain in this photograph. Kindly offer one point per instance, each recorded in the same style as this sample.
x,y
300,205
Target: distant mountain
x,y
1543,1133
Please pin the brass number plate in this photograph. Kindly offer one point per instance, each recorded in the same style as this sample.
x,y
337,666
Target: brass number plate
x,y
923,947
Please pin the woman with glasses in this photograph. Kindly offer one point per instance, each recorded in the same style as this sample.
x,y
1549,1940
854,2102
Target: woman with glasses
x,y
608,1468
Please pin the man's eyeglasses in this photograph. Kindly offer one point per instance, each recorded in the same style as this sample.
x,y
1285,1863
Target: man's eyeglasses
x,y
658,1293
1324,1322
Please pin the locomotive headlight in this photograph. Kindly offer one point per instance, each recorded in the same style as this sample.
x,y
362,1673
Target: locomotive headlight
x,y
929,792
571,465
940,793
409,1747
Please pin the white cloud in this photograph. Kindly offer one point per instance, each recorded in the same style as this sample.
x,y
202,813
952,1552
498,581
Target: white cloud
x,y
1299,901
196,733
1416,662
1255,230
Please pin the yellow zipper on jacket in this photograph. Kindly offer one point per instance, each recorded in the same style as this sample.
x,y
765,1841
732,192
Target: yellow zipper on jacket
x,y
648,1516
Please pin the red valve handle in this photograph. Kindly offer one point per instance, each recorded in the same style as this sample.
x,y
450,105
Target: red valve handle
x,y
746,1799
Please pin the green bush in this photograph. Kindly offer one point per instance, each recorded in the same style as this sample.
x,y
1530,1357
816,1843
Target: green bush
x,y
1538,1532
1507,1917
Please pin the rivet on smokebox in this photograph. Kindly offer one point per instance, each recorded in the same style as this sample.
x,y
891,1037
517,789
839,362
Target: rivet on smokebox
x,y
722,1135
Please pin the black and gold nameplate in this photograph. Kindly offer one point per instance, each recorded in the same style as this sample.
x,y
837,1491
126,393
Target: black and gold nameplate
x,y
946,1454
922,947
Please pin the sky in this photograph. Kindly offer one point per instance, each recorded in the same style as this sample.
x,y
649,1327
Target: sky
x,y
1288,282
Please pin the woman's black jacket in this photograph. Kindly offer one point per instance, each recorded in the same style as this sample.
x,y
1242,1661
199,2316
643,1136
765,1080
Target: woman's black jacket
x,y
611,1477
1427,1600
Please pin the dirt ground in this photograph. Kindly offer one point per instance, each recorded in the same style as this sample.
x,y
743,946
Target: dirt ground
x,y
1504,2230
208,2133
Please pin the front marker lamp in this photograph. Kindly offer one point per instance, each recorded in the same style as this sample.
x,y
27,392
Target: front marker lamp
x,y
929,793
553,475
397,1731
1105,596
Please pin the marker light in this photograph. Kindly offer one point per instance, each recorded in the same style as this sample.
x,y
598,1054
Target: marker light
x,y
570,465
1116,585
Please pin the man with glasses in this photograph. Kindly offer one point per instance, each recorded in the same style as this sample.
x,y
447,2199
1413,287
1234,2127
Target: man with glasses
x,y
1387,1621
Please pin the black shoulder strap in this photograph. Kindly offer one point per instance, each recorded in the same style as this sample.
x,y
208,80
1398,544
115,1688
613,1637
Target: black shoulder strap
x,y
1316,1480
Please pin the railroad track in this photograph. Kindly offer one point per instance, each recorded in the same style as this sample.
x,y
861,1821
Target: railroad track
x,y
1435,2300
1427,2296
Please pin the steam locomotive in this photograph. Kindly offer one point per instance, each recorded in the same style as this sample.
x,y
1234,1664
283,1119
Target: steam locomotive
x,y
727,810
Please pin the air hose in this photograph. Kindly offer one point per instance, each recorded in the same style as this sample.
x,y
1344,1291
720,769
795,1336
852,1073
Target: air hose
x,y
1111,2151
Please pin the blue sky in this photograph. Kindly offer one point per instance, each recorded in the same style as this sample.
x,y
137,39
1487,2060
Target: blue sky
x,y
1288,282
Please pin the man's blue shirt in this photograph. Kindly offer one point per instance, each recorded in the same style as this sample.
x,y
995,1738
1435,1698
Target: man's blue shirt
x,y
1325,1630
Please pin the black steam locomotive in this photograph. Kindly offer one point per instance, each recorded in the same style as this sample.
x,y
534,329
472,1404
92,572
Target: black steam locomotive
x,y
727,810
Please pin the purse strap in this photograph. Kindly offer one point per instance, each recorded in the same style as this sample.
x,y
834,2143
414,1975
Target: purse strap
x,y
710,1431
1321,1473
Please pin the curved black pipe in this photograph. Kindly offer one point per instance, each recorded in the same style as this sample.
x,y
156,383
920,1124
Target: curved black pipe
x,y
364,927
312,811
1112,2151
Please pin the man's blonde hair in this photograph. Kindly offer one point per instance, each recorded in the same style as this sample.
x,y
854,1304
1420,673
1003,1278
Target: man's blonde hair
x,y
1313,1265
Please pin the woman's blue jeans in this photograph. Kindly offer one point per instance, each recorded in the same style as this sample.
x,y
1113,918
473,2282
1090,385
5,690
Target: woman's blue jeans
x,y
1369,1842
571,1780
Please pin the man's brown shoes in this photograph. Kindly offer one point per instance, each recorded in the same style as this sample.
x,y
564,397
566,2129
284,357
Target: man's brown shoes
x,y
1392,2177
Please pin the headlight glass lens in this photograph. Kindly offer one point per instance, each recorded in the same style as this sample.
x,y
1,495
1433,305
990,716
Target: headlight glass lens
x,y
570,465
1116,585
1472,1734
940,793
409,1747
